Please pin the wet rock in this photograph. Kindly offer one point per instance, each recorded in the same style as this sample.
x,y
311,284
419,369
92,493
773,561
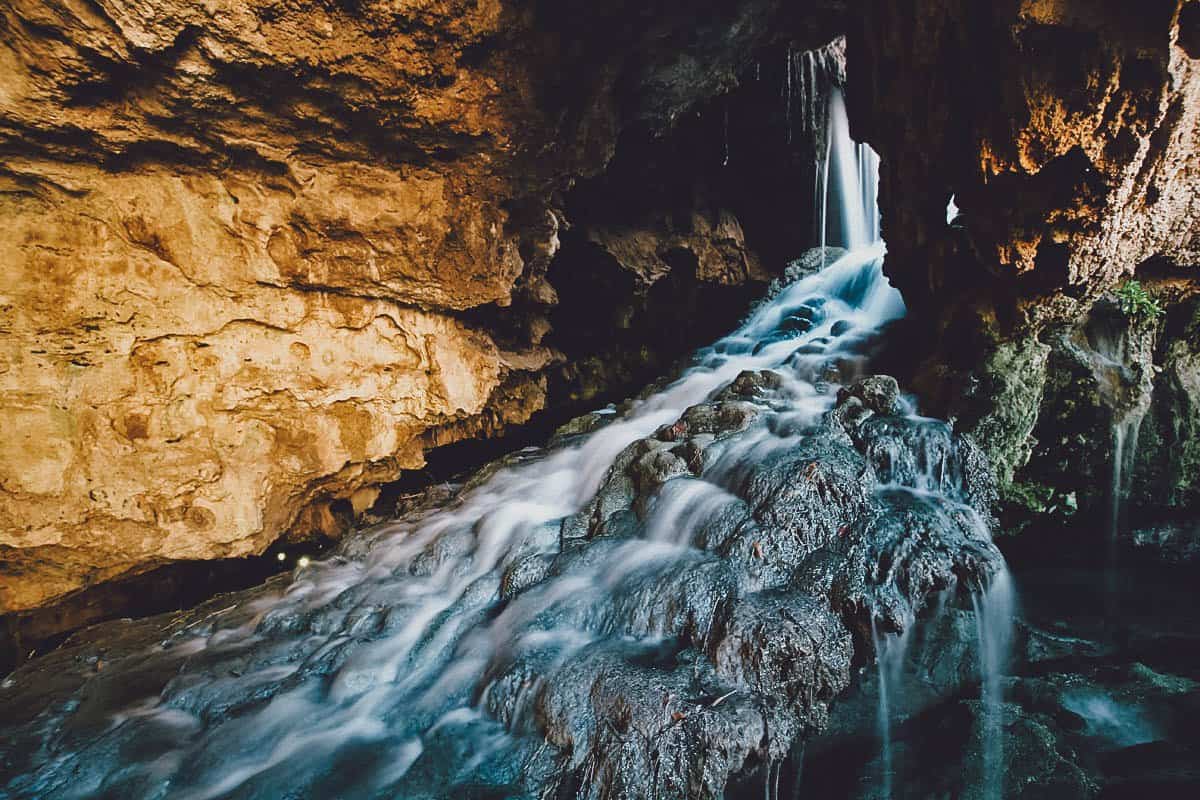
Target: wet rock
x,y
785,646
909,549
802,495
849,415
879,393
653,469
751,385
523,573
693,622
1169,542
648,722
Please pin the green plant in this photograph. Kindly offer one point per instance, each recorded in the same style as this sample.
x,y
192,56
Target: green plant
x,y
1136,303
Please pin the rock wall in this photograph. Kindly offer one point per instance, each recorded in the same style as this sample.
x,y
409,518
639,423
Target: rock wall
x,y
1066,131
1116,414
261,259
222,298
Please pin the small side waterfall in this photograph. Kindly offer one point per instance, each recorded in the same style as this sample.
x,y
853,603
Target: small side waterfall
x,y
995,609
1126,430
1113,345
891,652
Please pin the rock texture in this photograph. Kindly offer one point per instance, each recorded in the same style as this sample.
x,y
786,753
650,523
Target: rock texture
x,y
1066,130
220,302
1088,408
1124,421
260,258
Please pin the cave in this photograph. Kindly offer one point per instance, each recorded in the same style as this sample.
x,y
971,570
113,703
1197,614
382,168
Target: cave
x,y
516,399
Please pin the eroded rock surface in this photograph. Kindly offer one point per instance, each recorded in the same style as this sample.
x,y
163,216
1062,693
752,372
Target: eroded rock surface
x,y
261,258
1098,405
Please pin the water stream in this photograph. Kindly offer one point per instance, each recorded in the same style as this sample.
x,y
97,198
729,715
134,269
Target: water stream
x,y
415,657
1111,351
995,613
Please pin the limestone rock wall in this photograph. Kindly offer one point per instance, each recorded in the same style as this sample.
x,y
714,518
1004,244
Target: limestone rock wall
x,y
260,257
233,254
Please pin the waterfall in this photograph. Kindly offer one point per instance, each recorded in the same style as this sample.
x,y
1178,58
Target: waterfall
x,y
1125,442
891,652
995,609
411,662
849,174
1112,347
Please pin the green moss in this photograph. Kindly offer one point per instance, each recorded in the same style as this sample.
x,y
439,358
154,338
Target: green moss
x,y
1038,499
1014,377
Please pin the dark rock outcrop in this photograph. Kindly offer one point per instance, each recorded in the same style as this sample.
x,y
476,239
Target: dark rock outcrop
x,y
703,663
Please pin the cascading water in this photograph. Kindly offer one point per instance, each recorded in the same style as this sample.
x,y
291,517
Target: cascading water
x,y
849,164
995,610
891,650
423,659
1111,347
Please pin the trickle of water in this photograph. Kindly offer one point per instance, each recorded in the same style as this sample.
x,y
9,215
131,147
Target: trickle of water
x,y
787,94
995,609
725,162
810,76
891,651
1111,351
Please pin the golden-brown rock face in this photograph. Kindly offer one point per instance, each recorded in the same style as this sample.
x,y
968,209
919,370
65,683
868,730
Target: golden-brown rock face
x,y
1066,129
227,290
246,247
